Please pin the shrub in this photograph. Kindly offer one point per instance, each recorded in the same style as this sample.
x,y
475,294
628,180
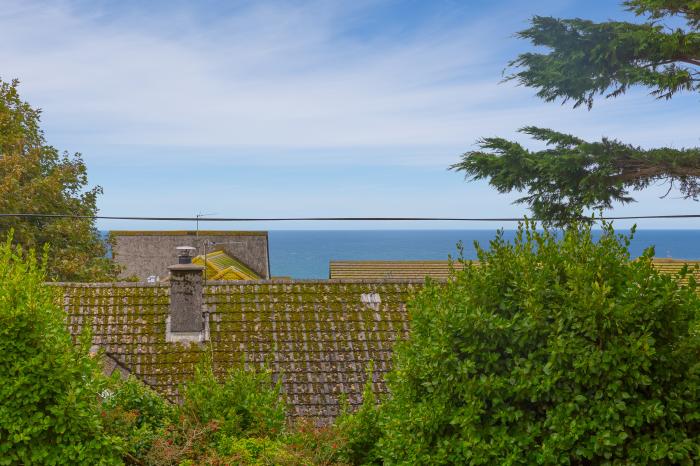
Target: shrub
x,y
135,413
244,403
237,420
49,405
254,451
360,429
181,441
550,351
311,444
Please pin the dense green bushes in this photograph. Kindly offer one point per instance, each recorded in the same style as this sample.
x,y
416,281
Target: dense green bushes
x,y
360,429
49,411
237,420
136,414
552,351
246,404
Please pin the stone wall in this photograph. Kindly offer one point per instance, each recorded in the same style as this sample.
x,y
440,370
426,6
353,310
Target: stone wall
x,y
149,253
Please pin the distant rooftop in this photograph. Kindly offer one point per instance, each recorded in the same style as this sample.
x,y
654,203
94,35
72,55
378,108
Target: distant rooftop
x,y
147,254
378,270
221,266
186,233
418,270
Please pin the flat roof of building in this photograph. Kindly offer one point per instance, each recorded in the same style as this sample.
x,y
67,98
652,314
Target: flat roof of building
x,y
186,233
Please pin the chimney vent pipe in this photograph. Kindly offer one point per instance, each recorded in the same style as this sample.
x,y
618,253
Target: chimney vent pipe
x,y
185,254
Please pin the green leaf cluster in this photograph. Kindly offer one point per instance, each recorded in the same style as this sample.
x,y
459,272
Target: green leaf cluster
x,y
49,387
555,349
583,60
571,174
586,59
244,403
361,428
135,413
36,179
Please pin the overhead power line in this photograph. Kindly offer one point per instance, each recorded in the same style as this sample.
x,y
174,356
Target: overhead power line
x,y
333,219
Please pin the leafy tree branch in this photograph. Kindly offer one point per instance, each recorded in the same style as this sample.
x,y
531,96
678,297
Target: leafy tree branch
x,y
571,174
586,59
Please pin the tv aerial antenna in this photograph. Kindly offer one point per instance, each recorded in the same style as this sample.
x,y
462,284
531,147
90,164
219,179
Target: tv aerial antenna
x,y
200,215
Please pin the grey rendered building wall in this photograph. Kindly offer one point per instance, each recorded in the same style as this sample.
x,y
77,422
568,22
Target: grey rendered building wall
x,y
146,253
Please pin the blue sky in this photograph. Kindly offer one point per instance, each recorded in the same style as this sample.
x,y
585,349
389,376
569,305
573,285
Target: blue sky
x,y
304,108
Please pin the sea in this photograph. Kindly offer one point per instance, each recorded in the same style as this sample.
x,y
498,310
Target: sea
x,y
307,253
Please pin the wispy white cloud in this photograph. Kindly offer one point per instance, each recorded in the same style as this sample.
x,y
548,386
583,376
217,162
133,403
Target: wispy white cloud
x,y
272,84
282,76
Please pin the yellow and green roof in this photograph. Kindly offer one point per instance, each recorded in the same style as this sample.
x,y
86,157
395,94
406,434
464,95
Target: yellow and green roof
x,y
220,266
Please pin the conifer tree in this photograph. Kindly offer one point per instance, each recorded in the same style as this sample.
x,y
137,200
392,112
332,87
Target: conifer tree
x,y
587,60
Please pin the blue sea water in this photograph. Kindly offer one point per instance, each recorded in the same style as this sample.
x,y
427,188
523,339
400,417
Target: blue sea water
x,y
307,253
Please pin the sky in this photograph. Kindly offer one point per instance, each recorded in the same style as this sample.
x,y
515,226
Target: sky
x,y
306,108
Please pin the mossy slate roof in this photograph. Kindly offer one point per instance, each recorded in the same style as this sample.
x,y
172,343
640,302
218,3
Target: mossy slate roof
x,y
319,336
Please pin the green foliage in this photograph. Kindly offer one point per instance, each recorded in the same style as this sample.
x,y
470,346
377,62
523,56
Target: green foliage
x,y
238,420
135,413
550,351
657,9
311,444
132,395
572,174
588,59
254,451
245,403
36,178
360,429
49,410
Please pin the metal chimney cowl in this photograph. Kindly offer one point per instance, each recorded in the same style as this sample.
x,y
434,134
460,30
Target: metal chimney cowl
x,y
185,254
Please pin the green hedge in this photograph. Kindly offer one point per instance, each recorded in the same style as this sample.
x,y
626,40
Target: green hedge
x,y
49,410
557,349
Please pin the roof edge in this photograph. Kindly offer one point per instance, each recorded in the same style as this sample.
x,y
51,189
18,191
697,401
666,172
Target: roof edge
x,y
187,233
320,281
278,281
427,261
108,284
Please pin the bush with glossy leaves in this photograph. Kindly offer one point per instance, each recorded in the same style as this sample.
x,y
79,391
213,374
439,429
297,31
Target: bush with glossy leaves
x,y
49,387
554,349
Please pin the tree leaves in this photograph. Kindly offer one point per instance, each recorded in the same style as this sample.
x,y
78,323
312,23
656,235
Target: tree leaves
x,y
572,174
49,386
587,59
555,349
36,178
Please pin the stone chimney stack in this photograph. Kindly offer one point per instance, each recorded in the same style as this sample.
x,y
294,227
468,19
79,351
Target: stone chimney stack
x,y
186,320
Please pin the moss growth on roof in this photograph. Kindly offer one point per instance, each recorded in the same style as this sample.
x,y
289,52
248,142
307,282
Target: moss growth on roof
x,y
220,266
319,336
